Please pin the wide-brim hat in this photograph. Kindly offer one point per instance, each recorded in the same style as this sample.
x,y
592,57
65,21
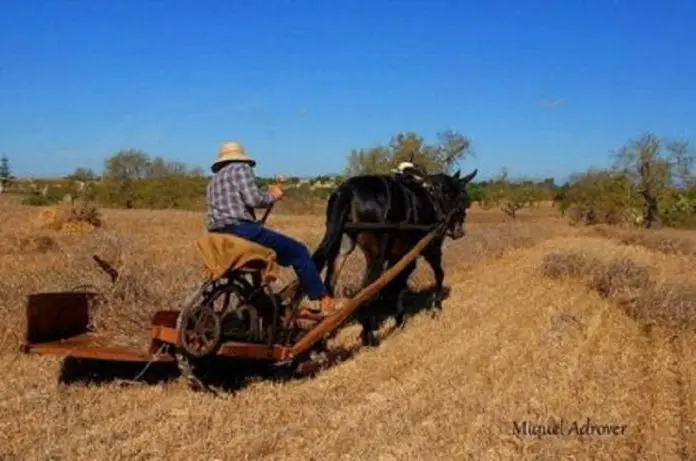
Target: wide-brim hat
x,y
402,166
231,152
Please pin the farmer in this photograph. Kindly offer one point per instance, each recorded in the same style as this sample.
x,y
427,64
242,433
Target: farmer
x,y
232,195
411,173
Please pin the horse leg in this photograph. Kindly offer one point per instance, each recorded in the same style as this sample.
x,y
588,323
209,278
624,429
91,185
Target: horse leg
x,y
366,316
369,319
395,292
401,284
329,281
433,256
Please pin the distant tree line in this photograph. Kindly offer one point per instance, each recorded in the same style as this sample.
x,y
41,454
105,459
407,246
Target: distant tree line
x,y
650,183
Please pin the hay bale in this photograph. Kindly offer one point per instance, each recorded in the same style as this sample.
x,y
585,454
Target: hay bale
x,y
78,218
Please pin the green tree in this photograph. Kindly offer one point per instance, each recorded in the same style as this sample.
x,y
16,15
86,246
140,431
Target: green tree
x,y
683,166
443,156
134,180
559,197
159,168
512,196
127,165
121,172
477,192
374,160
5,171
82,174
600,196
654,167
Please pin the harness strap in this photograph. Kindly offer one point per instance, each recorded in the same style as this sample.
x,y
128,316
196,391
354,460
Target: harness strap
x,y
353,211
411,209
436,203
388,191
442,228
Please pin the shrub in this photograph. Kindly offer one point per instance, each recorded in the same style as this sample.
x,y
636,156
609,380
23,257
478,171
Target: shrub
x,y
53,195
678,210
601,197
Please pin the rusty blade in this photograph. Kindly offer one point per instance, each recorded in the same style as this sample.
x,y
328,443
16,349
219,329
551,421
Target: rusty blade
x,y
89,347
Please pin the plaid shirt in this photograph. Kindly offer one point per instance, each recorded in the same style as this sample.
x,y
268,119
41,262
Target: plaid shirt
x,y
232,195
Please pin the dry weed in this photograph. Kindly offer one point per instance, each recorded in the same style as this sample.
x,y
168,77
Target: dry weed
x,y
634,287
672,305
664,242
79,217
619,278
38,244
566,264
667,241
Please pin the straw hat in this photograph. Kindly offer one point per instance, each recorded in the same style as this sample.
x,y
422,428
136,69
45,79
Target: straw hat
x,y
402,166
231,152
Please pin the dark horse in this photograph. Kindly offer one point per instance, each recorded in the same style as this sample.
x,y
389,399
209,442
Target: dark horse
x,y
394,201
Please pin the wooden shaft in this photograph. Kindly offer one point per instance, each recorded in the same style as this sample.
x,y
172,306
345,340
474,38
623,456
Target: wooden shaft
x,y
331,323
388,226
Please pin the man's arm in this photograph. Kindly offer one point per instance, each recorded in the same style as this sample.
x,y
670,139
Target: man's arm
x,y
251,194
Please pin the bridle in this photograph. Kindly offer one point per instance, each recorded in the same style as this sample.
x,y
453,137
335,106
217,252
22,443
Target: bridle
x,y
438,203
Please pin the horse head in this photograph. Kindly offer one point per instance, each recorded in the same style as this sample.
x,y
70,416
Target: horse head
x,y
454,198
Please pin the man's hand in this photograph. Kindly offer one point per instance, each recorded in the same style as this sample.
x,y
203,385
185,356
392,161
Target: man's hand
x,y
276,191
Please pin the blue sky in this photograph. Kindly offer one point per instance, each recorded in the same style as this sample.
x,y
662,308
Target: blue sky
x,y
542,87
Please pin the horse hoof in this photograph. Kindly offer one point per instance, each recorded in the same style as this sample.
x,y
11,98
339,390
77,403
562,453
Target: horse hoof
x,y
370,342
400,323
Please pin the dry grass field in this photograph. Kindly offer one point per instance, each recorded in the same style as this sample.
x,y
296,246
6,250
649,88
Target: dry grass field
x,y
545,323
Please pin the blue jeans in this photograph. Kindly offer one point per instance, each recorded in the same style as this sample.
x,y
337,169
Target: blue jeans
x,y
290,252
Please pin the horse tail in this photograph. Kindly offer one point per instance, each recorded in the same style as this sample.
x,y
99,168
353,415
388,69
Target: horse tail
x,y
338,207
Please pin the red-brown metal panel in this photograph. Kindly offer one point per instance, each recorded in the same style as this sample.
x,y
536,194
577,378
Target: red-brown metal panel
x,y
55,316
58,324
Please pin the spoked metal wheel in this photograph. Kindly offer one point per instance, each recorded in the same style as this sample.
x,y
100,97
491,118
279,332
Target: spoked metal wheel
x,y
199,330
211,312
217,312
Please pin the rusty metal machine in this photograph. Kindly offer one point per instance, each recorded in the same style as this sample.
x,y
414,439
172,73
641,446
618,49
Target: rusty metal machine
x,y
233,315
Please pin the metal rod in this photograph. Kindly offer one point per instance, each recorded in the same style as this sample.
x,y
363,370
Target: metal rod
x,y
266,213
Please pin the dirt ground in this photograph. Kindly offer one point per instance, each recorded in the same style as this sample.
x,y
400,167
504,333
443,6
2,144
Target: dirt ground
x,y
586,332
